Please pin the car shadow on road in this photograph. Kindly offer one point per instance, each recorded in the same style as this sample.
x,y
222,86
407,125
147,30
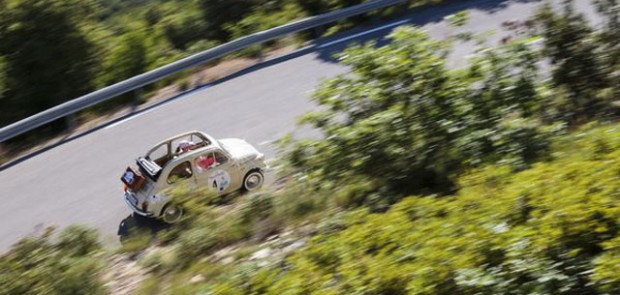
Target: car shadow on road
x,y
134,224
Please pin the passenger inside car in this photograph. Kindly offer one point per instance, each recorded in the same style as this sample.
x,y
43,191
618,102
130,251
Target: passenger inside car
x,y
205,162
184,146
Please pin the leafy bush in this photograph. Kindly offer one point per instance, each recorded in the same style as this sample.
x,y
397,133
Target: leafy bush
x,y
584,60
138,240
77,240
206,228
60,65
2,79
264,17
406,122
149,286
39,265
182,29
552,229
256,207
195,242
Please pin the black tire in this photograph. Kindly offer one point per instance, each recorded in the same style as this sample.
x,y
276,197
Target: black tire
x,y
171,213
253,180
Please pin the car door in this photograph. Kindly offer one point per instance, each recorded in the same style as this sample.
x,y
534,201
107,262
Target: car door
x,y
217,170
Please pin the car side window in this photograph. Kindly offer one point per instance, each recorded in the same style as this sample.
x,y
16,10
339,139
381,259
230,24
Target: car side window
x,y
210,160
205,161
160,155
188,143
220,158
181,171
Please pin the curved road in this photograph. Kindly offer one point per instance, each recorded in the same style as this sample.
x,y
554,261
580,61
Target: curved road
x,y
78,181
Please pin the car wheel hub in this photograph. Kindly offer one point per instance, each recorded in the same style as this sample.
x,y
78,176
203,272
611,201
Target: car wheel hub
x,y
253,181
172,214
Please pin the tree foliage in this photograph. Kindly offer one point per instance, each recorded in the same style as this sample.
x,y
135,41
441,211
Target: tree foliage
x,y
57,50
552,229
40,265
2,79
128,59
584,61
182,29
235,10
608,37
399,124
315,7
48,57
402,117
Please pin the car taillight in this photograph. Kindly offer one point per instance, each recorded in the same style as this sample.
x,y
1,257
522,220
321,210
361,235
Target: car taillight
x,y
125,188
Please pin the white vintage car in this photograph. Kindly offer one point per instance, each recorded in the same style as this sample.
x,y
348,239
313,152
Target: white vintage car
x,y
192,158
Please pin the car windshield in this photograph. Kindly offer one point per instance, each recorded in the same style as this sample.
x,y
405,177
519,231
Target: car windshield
x,y
224,146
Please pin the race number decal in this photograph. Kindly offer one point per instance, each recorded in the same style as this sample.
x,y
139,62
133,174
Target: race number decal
x,y
219,180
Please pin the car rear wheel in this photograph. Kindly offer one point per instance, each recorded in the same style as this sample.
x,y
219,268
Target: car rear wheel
x,y
172,213
253,180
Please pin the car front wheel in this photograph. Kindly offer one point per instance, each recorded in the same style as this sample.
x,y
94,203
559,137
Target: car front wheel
x,y
253,180
172,213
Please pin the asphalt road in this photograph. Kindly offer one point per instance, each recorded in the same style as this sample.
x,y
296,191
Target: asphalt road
x,y
78,181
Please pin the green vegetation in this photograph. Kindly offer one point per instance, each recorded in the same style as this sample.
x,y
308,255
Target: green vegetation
x,y
552,229
2,79
583,72
47,55
55,50
408,123
68,264
489,179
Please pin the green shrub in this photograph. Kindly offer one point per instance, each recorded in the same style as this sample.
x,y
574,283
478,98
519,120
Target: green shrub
x,y
160,260
605,273
256,207
193,243
137,241
551,229
149,286
582,62
40,265
407,124
230,229
78,240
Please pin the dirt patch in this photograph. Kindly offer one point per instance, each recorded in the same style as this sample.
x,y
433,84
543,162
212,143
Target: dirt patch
x,y
123,275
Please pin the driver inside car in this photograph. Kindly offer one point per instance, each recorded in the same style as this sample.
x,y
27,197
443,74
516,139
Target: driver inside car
x,y
184,146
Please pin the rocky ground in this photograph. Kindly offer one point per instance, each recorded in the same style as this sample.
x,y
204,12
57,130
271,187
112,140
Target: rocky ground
x,y
126,272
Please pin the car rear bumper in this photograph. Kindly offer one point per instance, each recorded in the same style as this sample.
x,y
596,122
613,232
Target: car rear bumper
x,y
128,196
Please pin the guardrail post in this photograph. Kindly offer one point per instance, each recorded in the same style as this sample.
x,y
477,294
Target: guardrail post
x,y
138,97
317,32
197,83
71,122
261,52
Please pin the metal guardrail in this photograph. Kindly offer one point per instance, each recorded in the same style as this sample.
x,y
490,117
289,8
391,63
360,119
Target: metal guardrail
x,y
136,82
